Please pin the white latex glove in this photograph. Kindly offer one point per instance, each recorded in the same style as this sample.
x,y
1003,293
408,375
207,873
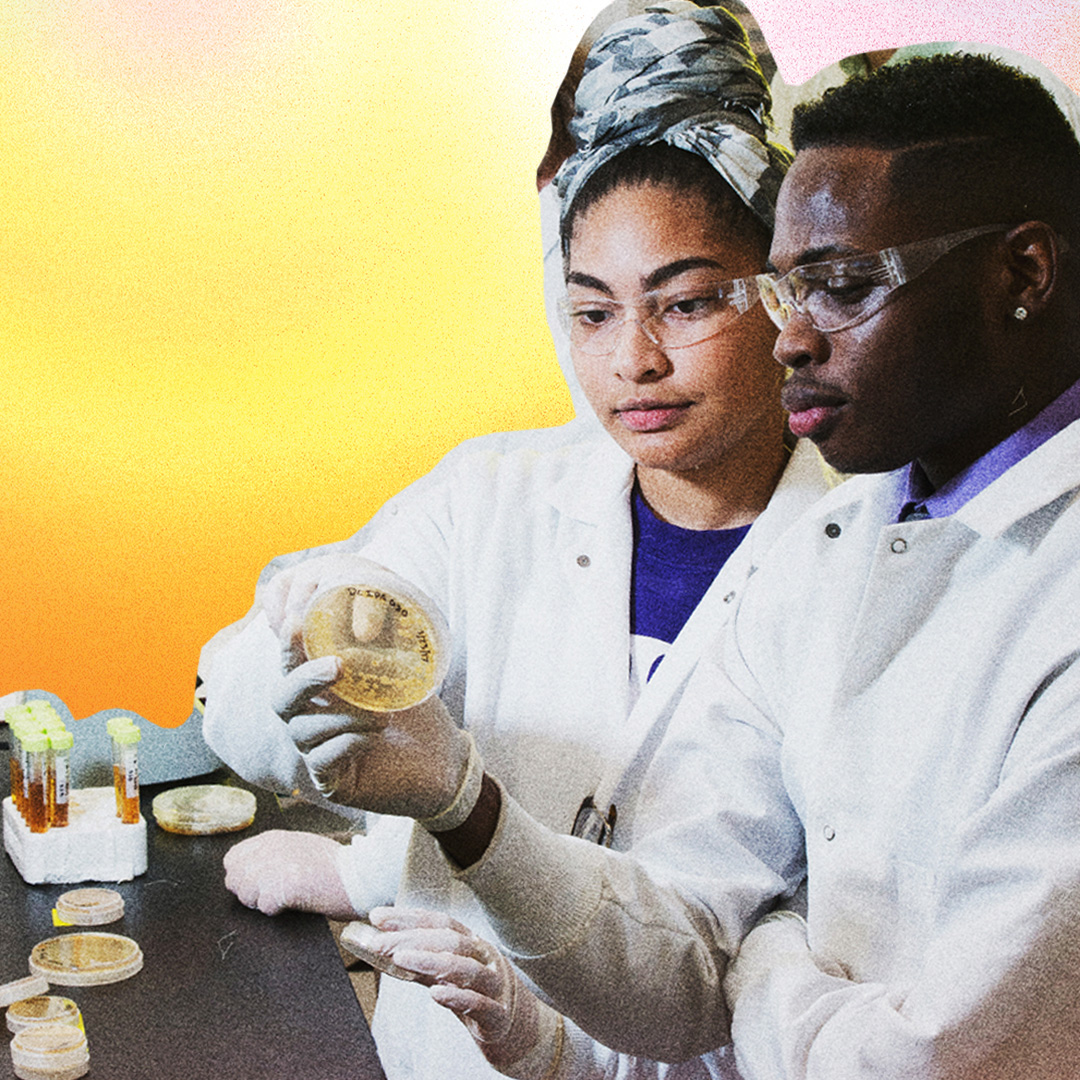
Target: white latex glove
x,y
279,870
413,763
470,977
286,596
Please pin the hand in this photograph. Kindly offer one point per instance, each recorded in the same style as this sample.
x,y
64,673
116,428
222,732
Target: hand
x,y
288,594
410,762
467,975
279,869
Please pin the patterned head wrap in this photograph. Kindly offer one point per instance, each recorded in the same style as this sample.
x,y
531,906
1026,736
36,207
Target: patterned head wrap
x,y
683,75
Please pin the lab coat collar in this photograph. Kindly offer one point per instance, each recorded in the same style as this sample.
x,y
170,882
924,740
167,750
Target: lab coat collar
x,y
1040,479
1044,476
601,487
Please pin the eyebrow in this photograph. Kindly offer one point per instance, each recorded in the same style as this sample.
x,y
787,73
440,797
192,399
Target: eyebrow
x,y
654,280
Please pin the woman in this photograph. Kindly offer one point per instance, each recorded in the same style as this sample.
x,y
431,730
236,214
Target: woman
x,y
559,569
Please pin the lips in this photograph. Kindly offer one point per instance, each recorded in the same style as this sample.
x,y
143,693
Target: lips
x,y
650,415
813,409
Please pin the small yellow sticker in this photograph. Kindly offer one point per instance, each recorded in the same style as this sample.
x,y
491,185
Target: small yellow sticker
x,y
57,921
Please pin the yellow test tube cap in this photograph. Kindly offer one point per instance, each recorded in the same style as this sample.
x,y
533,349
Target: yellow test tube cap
x,y
128,735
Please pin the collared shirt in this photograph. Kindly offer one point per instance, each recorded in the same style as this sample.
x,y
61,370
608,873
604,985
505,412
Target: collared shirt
x,y
965,485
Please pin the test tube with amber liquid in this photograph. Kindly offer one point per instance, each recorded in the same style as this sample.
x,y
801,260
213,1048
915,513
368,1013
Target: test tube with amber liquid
x,y
35,764
127,742
15,764
60,744
114,724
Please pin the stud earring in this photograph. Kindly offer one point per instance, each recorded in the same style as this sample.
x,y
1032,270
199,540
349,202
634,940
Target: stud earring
x,y
1020,314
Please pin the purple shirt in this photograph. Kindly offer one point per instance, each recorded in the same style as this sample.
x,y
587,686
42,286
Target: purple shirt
x,y
966,484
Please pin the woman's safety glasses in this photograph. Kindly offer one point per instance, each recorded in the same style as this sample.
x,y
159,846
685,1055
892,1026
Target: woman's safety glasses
x,y
669,318
841,293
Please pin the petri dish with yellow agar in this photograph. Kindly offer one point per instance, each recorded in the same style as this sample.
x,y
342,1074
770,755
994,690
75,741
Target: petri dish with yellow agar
x,y
87,958
46,1009
50,1052
392,641
203,809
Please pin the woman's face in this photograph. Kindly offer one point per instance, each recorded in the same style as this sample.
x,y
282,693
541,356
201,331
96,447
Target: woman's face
x,y
681,408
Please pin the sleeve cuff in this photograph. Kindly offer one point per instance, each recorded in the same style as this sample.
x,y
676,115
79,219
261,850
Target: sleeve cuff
x,y
370,867
539,889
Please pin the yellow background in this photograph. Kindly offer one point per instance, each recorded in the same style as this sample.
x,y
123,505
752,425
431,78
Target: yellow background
x,y
265,261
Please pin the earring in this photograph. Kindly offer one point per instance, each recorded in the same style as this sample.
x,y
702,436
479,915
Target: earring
x,y
1020,314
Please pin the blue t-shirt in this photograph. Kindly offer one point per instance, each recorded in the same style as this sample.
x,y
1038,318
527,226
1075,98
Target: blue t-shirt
x,y
672,570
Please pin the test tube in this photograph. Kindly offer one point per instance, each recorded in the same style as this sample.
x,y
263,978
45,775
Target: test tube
x,y
35,765
127,741
15,763
51,724
113,725
60,744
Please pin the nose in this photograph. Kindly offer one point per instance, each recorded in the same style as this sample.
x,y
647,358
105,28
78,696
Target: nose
x,y
800,344
638,357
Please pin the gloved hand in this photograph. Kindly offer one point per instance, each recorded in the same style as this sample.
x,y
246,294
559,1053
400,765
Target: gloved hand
x,y
279,869
287,594
413,763
471,978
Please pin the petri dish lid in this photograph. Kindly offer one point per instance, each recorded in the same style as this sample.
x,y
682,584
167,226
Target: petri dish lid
x,y
46,1009
58,1051
358,937
31,986
201,809
393,641
86,958
90,907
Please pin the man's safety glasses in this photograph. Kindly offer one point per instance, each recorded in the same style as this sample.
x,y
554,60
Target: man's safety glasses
x,y
669,318
844,292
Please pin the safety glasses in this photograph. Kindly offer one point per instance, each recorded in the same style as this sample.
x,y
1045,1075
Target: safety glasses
x,y
841,293
669,318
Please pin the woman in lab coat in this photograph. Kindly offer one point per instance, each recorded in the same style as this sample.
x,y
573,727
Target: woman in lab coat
x,y
582,573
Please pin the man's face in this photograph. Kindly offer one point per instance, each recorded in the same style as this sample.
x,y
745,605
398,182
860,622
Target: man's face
x,y
912,382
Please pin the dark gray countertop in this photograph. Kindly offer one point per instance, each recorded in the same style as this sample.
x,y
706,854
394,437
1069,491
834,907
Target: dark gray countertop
x,y
225,992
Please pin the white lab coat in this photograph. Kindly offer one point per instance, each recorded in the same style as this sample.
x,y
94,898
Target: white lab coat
x,y
528,554
919,683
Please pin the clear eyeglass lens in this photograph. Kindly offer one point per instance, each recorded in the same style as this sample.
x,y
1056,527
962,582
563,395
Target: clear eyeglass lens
x,y
670,321
841,293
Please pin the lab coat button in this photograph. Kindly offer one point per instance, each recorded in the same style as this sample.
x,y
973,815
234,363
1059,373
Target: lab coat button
x,y
730,596
583,560
899,546
828,832
832,530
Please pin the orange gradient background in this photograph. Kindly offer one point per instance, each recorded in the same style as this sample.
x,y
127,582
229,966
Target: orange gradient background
x,y
265,262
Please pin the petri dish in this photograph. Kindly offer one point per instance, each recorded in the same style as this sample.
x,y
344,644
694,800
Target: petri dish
x,y
46,1009
392,640
31,986
357,937
87,958
50,1052
90,907
203,809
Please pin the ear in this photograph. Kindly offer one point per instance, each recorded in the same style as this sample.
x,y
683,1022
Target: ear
x,y
1033,265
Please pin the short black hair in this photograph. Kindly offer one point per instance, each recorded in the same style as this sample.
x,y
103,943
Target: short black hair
x,y
662,164
972,127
